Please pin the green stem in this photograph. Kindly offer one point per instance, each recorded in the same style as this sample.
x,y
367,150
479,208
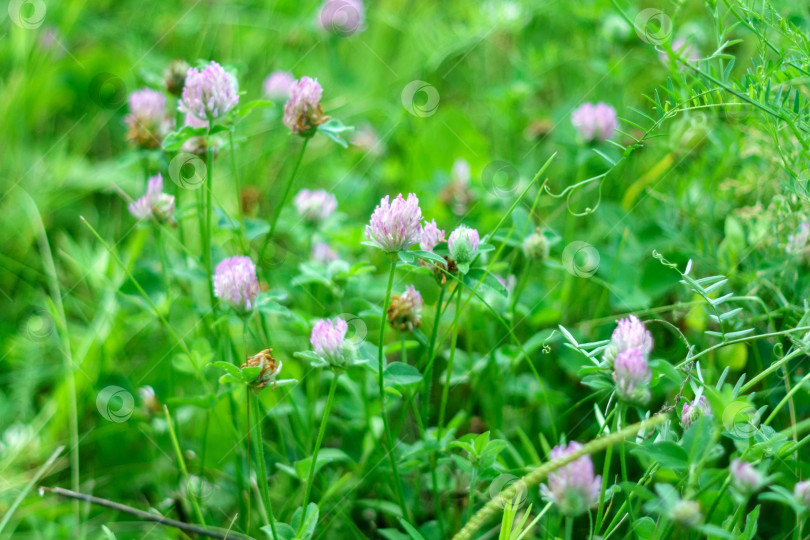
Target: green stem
x,y
314,458
569,527
471,502
209,176
428,369
183,468
257,441
235,175
446,388
283,199
389,442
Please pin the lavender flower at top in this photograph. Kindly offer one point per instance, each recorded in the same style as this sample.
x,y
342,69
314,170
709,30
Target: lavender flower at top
x,y
236,284
573,487
801,491
463,244
745,478
630,333
329,342
395,226
693,410
154,204
342,17
277,85
432,235
209,94
405,310
595,122
316,205
632,376
148,120
303,112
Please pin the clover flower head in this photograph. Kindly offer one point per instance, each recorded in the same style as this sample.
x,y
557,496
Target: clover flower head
x,y
686,513
303,112
405,310
270,368
681,48
277,85
342,17
630,333
463,244
535,246
322,253
395,226
573,487
329,341
801,491
154,204
745,478
148,120
236,284
315,206
209,93
595,121
631,373
693,410
431,236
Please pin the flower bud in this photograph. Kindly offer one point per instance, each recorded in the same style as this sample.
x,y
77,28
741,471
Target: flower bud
x,y
405,310
463,244
686,513
175,77
270,368
744,477
694,410
801,491
535,246
303,112
431,236
154,204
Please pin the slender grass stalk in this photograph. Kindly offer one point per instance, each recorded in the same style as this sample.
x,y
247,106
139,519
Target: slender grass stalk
x,y
427,368
569,527
389,442
446,388
283,199
209,189
256,427
236,185
314,459
471,499
29,486
179,453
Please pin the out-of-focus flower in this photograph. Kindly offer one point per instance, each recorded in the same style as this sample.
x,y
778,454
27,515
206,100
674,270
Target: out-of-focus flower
x,y
630,333
686,513
303,112
595,121
236,284
175,77
693,410
342,17
365,138
405,310
801,491
277,85
457,194
148,120
210,93
632,376
315,206
573,487
395,226
154,204
270,368
535,246
432,236
322,253
798,243
463,244
329,342
745,478
681,48
149,399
